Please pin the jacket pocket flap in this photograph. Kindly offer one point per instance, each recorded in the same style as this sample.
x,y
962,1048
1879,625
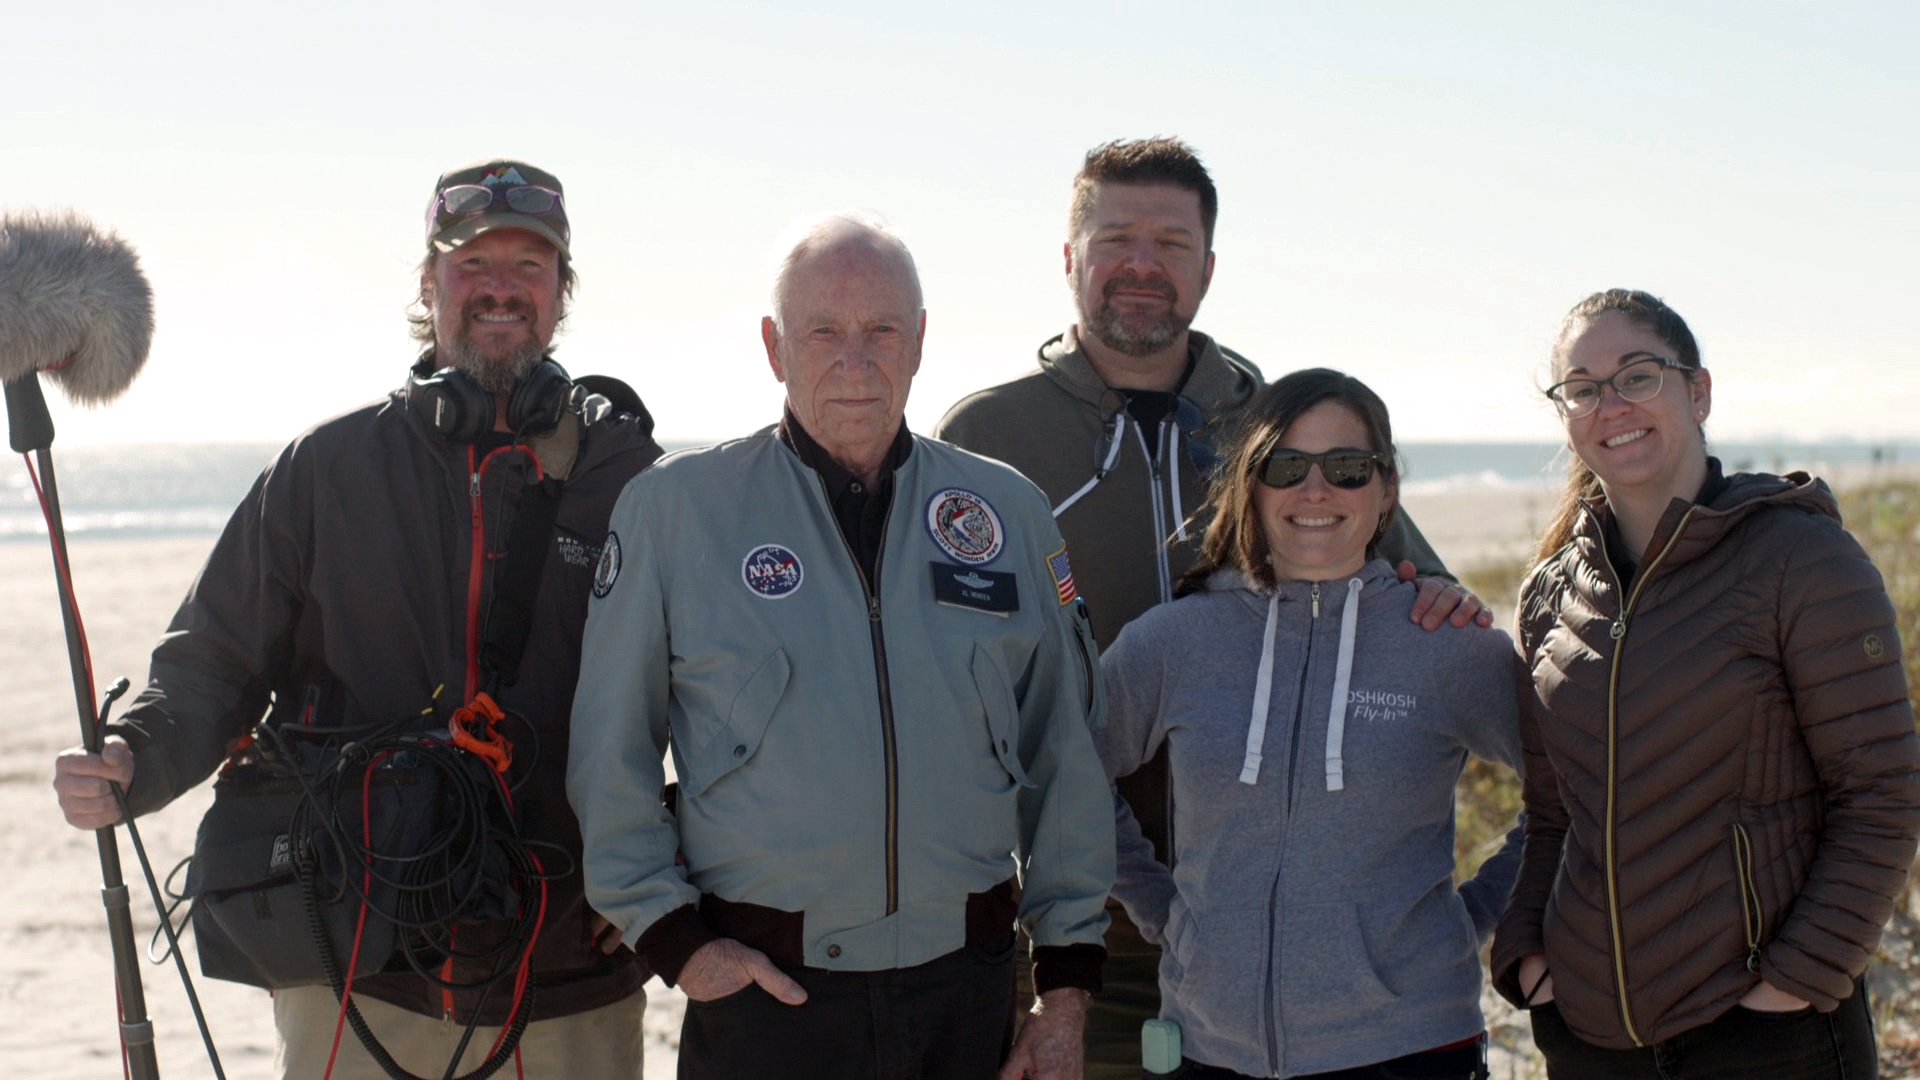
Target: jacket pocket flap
x,y
1003,715
737,741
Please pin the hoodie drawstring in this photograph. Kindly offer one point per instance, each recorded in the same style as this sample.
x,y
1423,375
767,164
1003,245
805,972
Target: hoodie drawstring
x,y
1101,469
1342,676
1262,696
1172,458
1336,713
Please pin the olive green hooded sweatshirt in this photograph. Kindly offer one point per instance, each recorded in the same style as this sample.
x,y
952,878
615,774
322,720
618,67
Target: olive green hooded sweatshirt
x,y
1127,520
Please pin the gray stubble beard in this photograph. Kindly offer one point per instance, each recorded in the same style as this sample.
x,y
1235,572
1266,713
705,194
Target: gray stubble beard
x,y
1111,330
494,374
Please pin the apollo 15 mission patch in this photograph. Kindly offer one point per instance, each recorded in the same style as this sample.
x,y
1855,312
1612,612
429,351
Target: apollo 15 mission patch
x,y
772,572
965,526
608,571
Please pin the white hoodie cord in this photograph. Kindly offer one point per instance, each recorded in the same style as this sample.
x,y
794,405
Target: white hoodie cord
x,y
1099,474
1342,675
1172,460
1262,696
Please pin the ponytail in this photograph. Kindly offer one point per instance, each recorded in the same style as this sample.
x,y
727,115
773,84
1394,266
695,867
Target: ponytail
x,y
1582,485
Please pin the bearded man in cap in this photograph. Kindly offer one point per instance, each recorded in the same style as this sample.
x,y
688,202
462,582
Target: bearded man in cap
x,y
359,588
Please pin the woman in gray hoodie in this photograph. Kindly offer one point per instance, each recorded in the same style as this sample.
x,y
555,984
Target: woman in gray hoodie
x,y
1310,921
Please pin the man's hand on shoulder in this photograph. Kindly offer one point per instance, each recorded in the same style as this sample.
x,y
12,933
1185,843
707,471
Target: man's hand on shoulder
x,y
1049,1044
1441,601
80,783
724,966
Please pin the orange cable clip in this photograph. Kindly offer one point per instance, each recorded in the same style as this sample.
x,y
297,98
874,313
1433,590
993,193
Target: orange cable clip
x,y
488,744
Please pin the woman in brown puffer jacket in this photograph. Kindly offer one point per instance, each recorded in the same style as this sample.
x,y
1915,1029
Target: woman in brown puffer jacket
x,y
1723,778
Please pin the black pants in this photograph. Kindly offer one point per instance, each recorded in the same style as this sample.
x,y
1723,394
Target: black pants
x,y
948,1019
1458,1063
1803,1045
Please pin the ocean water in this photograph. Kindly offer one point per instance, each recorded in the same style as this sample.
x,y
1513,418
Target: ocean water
x,y
156,489
1438,467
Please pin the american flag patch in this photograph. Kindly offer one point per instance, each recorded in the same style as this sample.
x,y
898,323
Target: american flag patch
x,y
1062,576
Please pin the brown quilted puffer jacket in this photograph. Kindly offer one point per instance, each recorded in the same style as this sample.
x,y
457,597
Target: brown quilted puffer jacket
x,y
1723,783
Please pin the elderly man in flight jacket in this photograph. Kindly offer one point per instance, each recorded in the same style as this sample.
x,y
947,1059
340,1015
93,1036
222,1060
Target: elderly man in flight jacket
x,y
865,652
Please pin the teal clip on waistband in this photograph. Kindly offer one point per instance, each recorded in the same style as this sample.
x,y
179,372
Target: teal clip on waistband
x,y
1160,1046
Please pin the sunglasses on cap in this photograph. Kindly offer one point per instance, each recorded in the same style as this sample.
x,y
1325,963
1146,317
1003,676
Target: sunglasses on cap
x,y
465,200
1342,468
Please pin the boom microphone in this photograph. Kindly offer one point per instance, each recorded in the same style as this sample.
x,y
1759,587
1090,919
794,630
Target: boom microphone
x,y
73,304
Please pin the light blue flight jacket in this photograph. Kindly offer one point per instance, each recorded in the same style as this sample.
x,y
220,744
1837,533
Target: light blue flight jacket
x,y
1310,922
868,765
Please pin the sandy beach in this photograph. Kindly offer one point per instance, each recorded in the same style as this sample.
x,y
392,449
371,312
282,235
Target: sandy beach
x,y
56,984
56,970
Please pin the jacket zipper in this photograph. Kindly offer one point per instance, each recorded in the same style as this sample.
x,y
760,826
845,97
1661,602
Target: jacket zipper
x,y
476,577
1159,513
476,570
1752,917
1618,631
1273,893
885,686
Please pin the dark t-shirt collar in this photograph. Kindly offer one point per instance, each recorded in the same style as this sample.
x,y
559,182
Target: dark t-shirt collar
x,y
815,457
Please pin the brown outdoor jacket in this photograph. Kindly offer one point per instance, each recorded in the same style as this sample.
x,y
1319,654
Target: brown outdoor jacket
x,y
1723,782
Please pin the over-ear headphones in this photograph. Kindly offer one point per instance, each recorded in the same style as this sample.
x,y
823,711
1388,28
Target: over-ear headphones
x,y
458,410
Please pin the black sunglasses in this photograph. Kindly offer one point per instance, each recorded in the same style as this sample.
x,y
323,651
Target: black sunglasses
x,y
1342,468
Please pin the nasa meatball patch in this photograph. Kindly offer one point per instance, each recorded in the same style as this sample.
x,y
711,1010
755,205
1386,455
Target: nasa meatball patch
x,y
608,570
772,572
965,526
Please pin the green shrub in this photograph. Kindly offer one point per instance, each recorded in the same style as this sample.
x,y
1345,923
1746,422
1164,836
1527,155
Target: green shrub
x,y
1885,518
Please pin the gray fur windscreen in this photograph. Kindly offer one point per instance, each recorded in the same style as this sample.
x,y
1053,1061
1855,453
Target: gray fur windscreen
x,y
73,303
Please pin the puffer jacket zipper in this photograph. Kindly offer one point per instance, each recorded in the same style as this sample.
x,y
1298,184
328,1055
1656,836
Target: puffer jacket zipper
x,y
1753,919
884,684
1618,631
1272,1008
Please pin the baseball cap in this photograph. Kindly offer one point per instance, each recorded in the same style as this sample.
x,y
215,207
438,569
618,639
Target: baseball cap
x,y
504,194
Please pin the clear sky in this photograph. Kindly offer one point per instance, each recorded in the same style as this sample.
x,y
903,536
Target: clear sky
x,y
1413,192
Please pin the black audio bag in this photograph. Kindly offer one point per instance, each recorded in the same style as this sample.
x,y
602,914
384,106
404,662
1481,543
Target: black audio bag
x,y
251,921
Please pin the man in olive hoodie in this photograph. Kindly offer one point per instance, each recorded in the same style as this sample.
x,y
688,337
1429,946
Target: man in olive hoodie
x,y
1116,427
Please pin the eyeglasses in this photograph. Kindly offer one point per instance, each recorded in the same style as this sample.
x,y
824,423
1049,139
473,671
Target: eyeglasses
x,y
1638,381
1342,468
465,200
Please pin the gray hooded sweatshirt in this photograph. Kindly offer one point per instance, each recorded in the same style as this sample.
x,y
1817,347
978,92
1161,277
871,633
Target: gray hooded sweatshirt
x,y
1311,921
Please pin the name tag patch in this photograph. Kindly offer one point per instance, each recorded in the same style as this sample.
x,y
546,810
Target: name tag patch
x,y
995,593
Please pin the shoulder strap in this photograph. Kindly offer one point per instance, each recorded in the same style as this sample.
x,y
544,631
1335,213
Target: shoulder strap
x,y
517,584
